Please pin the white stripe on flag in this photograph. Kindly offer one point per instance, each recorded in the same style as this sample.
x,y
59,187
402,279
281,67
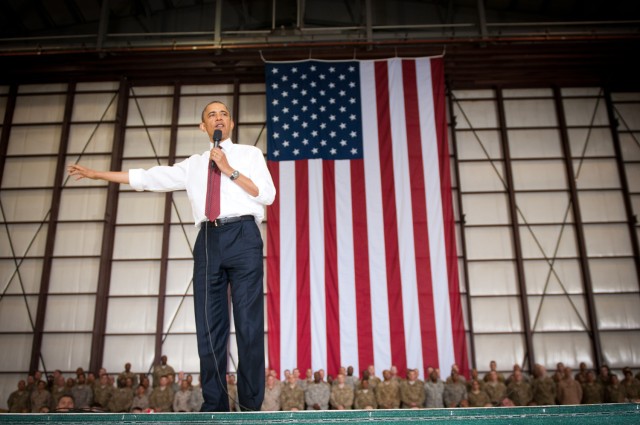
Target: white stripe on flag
x,y
288,293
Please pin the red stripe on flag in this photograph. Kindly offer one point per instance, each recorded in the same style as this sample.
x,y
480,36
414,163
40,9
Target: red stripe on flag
x,y
303,272
332,292
273,272
457,322
361,265
392,260
424,280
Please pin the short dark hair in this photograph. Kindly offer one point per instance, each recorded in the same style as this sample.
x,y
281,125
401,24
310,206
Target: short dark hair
x,y
211,103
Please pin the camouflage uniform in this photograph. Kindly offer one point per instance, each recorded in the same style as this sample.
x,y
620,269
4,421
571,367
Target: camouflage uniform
x,y
342,397
121,400
544,391
592,393
160,370
433,394
56,393
614,394
140,401
182,401
82,396
481,399
631,388
496,391
102,395
197,398
388,395
40,399
271,402
454,393
412,392
519,393
19,401
317,393
364,398
161,400
291,397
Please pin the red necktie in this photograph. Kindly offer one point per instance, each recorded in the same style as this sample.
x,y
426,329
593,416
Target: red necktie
x,y
212,208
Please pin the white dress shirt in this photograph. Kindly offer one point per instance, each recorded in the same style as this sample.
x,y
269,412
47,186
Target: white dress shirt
x,y
191,175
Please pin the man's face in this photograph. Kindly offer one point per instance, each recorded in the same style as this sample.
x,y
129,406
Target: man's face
x,y
216,116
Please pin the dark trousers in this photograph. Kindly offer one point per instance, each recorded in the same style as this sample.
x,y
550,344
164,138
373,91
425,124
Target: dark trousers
x,y
229,256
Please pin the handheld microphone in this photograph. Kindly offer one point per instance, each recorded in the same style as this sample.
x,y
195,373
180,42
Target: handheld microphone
x,y
217,135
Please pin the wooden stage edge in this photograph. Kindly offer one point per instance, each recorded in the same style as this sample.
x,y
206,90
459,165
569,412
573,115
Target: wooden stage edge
x,y
601,414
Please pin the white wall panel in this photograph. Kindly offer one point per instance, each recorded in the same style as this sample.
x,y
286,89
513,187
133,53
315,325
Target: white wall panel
x,y
486,208
17,358
94,107
183,238
620,349
541,92
482,176
26,205
70,313
179,277
182,353
596,173
546,207
179,315
618,311
66,351
79,239
585,111
539,143
254,135
539,175
489,243
90,138
557,313
181,208
191,107
140,207
36,140
506,350
570,348
97,162
481,144
253,108
39,109
14,315
74,275
132,315
151,142
499,314
588,142
629,146
530,113
20,276
27,240
602,206
135,349
137,242
542,241
613,275
82,204
29,172
633,176
154,110
476,114
492,278
135,278
565,277
605,240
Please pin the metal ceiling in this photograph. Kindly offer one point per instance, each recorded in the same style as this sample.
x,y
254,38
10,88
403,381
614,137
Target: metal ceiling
x,y
485,42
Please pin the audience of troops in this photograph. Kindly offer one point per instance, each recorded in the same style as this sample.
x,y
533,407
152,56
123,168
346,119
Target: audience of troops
x,y
171,392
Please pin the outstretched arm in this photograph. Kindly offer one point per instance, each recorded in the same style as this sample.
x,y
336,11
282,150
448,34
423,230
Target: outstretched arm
x,y
80,172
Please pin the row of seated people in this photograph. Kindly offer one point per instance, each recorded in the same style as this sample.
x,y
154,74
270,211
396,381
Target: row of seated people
x,y
129,392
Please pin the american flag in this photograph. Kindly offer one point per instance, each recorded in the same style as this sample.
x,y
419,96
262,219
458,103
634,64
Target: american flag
x,y
361,256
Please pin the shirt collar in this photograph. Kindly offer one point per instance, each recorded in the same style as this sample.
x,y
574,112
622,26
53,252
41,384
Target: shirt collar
x,y
225,144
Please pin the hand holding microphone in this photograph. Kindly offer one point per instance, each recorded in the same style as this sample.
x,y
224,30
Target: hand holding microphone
x,y
217,135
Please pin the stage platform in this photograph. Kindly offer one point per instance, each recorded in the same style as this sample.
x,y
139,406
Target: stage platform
x,y
601,414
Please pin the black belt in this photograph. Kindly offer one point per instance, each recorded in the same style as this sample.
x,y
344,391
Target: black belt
x,y
219,222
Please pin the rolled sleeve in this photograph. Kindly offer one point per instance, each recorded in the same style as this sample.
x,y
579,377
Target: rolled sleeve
x,y
159,179
262,179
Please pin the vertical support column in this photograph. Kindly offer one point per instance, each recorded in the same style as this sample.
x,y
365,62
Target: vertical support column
x,y
482,19
6,126
166,229
517,243
217,30
582,247
369,22
624,183
51,231
108,232
104,24
463,237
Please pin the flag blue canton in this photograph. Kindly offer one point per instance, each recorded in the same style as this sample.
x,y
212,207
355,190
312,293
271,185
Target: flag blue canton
x,y
313,110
